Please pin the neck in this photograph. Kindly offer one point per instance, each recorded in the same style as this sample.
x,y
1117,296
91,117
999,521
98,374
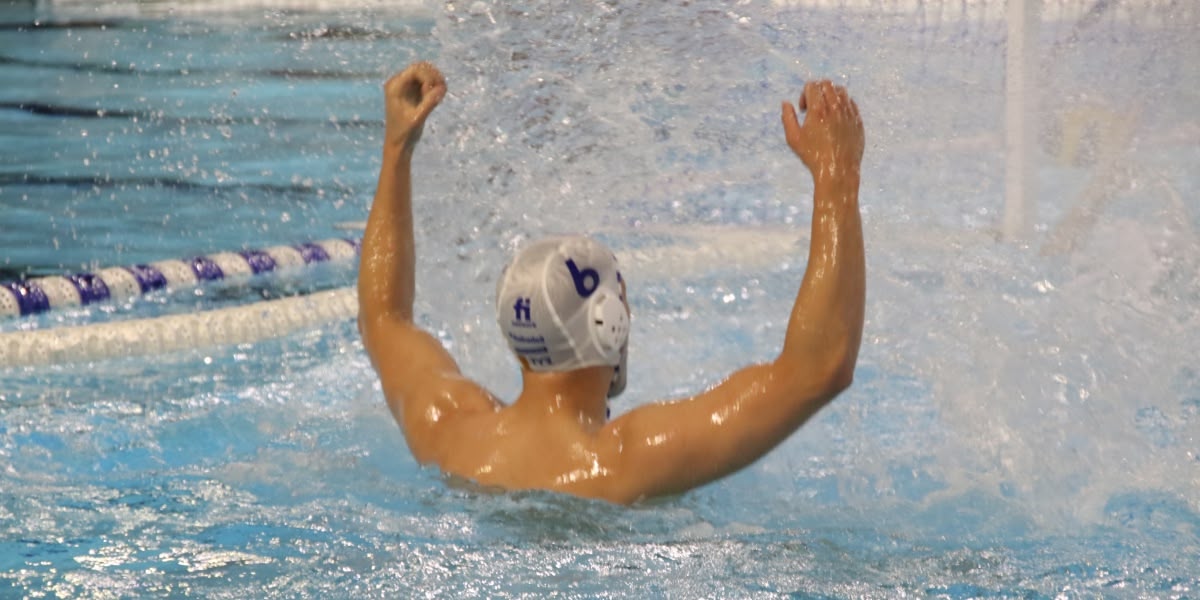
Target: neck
x,y
581,394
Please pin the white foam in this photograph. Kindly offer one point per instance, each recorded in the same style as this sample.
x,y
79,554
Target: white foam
x,y
1146,12
696,249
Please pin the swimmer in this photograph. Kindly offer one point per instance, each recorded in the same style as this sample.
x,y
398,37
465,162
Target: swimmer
x,y
561,305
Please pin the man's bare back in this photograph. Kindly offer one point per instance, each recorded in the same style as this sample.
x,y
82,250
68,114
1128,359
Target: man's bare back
x,y
556,435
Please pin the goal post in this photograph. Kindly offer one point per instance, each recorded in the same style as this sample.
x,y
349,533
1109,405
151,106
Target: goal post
x,y
1020,123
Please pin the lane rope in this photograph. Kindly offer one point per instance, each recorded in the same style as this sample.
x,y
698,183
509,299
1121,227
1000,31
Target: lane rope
x,y
33,296
157,335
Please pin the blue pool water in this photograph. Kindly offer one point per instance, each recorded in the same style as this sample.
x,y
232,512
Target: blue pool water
x,y
1025,418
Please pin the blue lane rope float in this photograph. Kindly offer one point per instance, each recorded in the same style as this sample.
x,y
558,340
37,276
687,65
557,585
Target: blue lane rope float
x,y
33,296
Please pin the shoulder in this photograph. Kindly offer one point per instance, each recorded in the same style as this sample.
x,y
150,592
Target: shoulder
x,y
435,414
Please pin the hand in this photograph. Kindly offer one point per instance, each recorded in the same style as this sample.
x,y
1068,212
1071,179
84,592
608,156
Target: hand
x,y
831,140
409,97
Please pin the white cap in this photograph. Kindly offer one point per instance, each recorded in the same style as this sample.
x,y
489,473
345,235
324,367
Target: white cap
x,y
560,306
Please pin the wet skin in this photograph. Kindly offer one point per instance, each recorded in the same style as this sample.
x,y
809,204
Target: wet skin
x,y
555,436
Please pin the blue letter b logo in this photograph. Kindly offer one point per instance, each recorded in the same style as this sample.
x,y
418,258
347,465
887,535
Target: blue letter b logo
x,y
586,281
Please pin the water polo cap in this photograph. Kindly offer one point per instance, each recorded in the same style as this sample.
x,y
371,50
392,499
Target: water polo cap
x,y
560,307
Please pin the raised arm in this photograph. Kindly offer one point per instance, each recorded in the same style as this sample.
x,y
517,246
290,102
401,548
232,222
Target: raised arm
x,y
386,273
420,379
669,448
827,319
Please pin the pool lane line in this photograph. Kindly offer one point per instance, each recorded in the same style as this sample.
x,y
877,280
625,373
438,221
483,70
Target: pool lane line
x,y
43,109
167,183
159,335
115,284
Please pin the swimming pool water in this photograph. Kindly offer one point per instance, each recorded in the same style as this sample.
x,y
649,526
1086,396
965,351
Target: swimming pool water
x,y
1023,423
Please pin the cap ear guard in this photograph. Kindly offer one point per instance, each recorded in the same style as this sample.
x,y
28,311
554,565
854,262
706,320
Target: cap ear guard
x,y
610,324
